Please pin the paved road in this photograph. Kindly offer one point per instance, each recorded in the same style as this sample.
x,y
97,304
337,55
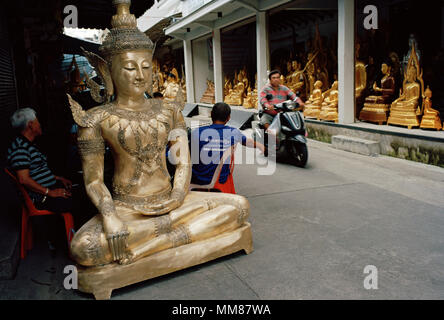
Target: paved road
x,y
314,229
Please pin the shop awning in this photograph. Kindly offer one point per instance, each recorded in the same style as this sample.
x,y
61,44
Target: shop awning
x,y
219,14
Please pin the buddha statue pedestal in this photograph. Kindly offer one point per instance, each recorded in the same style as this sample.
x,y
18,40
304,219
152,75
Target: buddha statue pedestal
x,y
431,122
374,112
329,113
101,281
403,116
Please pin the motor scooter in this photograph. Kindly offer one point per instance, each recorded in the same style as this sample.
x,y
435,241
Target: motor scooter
x,y
288,127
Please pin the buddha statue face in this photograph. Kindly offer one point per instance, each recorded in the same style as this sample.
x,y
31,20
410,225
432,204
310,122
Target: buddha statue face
x,y
318,84
385,69
411,74
428,93
131,72
294,65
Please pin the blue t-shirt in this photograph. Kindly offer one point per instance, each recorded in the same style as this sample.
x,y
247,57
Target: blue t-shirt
x,y
211,142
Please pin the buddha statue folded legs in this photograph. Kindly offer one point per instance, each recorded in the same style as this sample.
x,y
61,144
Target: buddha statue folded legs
x,y
146,226
431,118
329,109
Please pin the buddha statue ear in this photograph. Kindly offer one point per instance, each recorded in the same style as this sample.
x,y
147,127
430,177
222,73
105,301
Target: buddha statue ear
x,y
104,72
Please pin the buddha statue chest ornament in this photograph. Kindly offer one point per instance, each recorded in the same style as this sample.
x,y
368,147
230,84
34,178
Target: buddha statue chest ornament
x,y
146,226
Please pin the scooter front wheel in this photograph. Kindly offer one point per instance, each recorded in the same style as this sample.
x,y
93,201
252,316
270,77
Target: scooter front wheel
x,y
298,152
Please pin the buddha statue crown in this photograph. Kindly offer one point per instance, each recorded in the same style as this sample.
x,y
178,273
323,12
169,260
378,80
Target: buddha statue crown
x,y
124,34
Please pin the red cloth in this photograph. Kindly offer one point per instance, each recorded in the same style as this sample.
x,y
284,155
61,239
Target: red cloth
x,y
227,187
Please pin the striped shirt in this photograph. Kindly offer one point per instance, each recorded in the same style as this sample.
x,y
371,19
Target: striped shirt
x,y
280,95
23,154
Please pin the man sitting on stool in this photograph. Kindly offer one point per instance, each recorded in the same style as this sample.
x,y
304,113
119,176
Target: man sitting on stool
x,y
47,191
213,141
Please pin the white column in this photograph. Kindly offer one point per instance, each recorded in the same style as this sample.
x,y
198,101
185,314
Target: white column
x,y
346,61
188,57
262,49
217,67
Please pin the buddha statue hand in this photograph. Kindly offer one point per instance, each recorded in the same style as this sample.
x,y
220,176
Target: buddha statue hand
x,y
175,201
117,235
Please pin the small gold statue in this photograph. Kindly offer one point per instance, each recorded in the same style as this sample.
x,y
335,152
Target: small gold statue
x,y
404,111
376,107
297,78
314,103
248,101
173,86
430,119
329,110
209,94
235,96
254,94
147,226
227,86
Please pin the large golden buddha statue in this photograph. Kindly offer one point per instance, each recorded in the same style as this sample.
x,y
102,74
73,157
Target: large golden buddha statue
x,y
146,226
430,119
329,110
314,103
377,106
404,110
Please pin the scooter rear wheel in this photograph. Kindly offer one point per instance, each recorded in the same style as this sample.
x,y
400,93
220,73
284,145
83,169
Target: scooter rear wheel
x,y
298,153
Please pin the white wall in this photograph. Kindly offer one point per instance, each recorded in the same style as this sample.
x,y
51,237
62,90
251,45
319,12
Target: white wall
x,y
201,68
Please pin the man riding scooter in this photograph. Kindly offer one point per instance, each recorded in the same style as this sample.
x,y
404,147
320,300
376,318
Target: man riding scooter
x,y
274,93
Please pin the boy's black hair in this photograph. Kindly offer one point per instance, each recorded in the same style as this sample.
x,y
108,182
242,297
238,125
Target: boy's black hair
x,y
157,95
273,73
220,112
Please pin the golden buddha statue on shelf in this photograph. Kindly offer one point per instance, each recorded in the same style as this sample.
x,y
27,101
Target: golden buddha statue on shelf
x,y
172,87
430,119
329,110
376,107
310,70
235,96
227,86
314,103
209,94
248,100
404,111
296,79
147,226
